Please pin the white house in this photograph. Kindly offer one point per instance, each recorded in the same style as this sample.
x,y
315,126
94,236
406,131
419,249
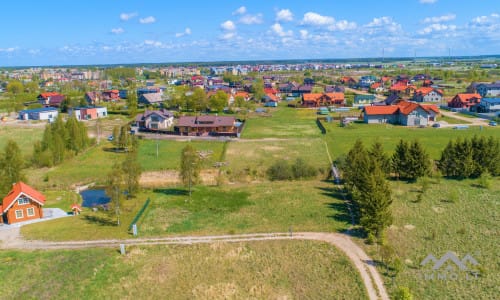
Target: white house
x,y
42,114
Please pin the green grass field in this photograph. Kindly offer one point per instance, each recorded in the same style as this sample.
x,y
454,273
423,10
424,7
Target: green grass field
x,y
451,120
283,122
341,139
257,270
169,153
249,160
24,137
266,207
453,216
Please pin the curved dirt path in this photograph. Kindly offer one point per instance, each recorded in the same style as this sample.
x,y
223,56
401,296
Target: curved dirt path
x,y
372,280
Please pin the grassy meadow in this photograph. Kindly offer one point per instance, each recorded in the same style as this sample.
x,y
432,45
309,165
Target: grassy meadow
x,y
455,216
25,137
256,270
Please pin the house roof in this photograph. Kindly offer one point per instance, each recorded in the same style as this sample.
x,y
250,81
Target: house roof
x,y
316,96
152,97
380,110
466,97
21,188
272,97
491,100
403,107
48,94
75,206
162,113
38,110
206,121
426,90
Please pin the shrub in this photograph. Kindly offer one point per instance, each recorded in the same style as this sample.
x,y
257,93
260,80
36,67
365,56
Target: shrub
x,y
301,169
280,170
484,180
403,293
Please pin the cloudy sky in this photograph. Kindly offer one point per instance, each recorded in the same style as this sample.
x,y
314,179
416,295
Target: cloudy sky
x,y
133,31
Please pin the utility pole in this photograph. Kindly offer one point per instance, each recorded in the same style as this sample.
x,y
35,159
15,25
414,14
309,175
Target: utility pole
x,y
157,144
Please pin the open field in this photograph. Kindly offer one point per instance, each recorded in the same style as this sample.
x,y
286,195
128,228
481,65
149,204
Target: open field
x,y
451,120
341,139
87,226
25,137
256,270
249,160
169,153
453,216
284,122
266,207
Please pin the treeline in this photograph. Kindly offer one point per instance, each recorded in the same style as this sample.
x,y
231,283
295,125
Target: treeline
x,y
11,167
60,140
470,158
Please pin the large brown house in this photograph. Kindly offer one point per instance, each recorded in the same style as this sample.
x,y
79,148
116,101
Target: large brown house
x,y
23,203
465,101
322,99
207,125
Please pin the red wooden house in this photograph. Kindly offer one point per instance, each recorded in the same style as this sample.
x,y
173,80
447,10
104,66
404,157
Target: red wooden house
x,y
322,99
465,101
23,203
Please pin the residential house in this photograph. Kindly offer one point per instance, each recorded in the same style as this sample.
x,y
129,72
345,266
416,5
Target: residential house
x,y
52,99
402,88
42,114
361,100
488,89
322,99
488,105
22,203
334,89
464,101
150,98
207,125
377,87
366,81
93,98
88,112
123,93
111,95
428,94
301,89
271,100
148,90
155,119
287,88
348,81
405,113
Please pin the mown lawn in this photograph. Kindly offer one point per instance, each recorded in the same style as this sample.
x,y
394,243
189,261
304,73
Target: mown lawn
x,y
266,207
282,122
456,216
256,270
341,139
249,160
169,153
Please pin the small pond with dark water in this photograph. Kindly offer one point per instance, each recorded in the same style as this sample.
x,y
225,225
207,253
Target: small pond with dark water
x,y
94,197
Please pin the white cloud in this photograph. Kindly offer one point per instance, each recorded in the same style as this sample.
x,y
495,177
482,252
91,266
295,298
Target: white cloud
x,y
228,25
444,18
251,19
186,31
428,1
228,35
8,50
118,30
304,34
240,11
482,20
284,15
127,16
153,43
278,29
315,19
383,24
437,27
342,25
147,20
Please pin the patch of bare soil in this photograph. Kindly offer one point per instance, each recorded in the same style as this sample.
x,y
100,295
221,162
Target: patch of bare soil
x,y
171,177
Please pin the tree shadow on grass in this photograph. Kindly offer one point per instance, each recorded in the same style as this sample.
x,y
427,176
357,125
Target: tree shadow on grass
x,y
101,221
172,191
339,209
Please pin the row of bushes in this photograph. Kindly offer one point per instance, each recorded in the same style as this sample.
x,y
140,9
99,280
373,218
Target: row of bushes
x,y
283,170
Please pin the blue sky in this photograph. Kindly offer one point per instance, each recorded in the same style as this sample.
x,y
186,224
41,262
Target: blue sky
x,y
134,31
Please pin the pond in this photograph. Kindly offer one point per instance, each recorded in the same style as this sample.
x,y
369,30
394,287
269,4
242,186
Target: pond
x,y
94,197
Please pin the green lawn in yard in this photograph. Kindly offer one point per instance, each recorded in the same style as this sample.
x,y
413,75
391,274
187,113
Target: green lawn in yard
x,y
253,270
169,153
341,139
282,122
451,120
266,207
23,136
456,216
249,160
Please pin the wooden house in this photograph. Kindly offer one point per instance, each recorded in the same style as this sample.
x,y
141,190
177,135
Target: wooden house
x,y
22,203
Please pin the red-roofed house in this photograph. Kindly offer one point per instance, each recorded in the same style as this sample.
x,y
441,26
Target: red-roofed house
x,y
405,113
402,88
207,125
111,95
465,101
52,99
22,203
322,99
428,94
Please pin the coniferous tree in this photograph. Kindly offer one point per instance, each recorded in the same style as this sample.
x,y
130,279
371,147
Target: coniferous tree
x,y
378,154
356,172
11,166
492,156
419,163
465,162
447,163
400,159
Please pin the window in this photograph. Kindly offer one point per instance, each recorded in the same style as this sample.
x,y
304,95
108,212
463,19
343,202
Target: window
x,y
30,212
19,214
23,200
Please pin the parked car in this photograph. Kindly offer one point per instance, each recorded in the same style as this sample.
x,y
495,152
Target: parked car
x,y
436,125
110,138
492,123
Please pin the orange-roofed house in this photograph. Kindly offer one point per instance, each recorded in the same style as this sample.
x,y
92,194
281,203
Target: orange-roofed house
x,y
404,113
465,101
428,94
22,203
323,99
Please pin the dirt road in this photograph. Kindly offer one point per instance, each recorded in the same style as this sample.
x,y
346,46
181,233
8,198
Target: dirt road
x,y
372,280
